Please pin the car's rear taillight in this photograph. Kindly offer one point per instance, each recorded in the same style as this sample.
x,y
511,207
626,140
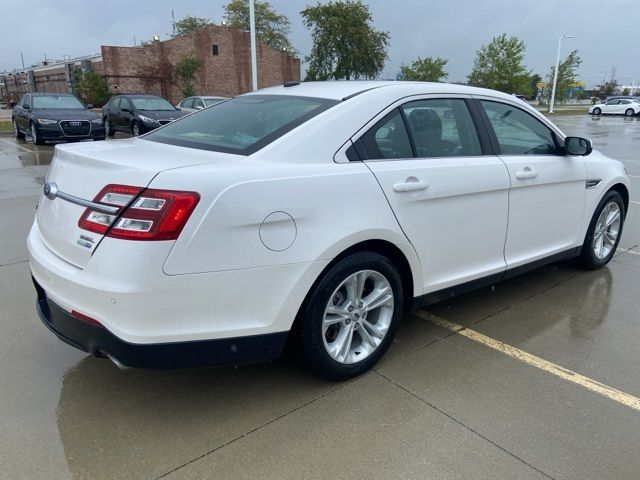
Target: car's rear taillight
x,y
144,214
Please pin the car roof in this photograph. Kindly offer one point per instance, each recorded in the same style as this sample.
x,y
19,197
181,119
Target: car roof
x,y
51,94
344,89
139,95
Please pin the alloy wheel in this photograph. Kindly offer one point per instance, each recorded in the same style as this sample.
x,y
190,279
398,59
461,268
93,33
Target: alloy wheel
x,y
135,129
107,128
607,230
34,134
357,316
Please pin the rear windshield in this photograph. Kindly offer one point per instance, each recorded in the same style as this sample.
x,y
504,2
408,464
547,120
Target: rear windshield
x,y
242,125
55,101
152,103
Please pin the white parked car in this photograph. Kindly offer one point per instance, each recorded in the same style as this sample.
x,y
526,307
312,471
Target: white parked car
x,y
620,106
193,104
321,210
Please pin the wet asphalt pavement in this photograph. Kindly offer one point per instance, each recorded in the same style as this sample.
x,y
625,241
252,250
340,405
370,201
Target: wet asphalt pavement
x,y
439,405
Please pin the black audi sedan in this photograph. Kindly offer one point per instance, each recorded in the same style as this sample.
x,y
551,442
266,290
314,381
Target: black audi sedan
x,y
55,117
138,114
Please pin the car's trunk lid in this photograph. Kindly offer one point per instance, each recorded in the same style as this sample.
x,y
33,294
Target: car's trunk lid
x,y
83,170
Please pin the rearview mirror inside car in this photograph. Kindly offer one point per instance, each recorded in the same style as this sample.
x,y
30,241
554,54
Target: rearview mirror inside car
x,y
577,146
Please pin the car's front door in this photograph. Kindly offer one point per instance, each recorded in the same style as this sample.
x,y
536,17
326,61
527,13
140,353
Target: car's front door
x,y
546,200
22,113
112,113
450,200
611,106
125,115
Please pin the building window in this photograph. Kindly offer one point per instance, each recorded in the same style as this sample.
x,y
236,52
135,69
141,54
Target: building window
x,y
214,50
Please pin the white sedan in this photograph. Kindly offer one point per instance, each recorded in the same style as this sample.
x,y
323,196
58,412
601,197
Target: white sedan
x,y
619,106
319,210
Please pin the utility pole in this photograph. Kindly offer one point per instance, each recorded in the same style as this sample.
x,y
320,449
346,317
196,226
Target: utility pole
x,y
254,62
22,58
555,72
173,23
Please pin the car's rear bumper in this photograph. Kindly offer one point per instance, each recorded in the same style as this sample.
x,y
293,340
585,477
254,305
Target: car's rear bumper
x,y
98,340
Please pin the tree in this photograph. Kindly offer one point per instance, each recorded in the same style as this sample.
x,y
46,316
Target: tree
x,y
345,44
566,76
184,74
272,28
428,69
534,80
607,87
625,91
92,88
499,65
189,24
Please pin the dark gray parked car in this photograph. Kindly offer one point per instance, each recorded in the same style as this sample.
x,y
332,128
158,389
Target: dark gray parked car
x,y
137,114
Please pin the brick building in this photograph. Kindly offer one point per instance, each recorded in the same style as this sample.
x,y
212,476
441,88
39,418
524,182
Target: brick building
x,y
223,51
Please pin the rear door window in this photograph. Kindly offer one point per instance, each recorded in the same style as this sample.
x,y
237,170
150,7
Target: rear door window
x,y
442,128
387,139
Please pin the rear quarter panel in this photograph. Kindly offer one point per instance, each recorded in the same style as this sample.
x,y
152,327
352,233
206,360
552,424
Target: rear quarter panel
x,y
334,206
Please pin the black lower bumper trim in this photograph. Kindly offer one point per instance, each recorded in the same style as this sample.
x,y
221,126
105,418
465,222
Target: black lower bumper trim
x,y
199,353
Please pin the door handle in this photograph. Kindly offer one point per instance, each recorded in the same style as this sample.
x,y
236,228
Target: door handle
x,y
526,173
412,184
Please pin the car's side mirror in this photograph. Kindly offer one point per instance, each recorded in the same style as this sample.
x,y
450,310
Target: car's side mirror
x,y
26,107
90,106
126,110
199,107
577,146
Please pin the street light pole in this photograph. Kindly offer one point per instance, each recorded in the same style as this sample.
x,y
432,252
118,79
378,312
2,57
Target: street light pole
x,y
254,62
555,72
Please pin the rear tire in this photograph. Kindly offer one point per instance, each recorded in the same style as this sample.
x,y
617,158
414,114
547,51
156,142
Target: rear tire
x,y
597,111
353,312
629,112
605,230
16,131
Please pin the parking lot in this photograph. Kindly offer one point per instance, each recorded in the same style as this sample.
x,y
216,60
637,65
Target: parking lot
x,y
536,377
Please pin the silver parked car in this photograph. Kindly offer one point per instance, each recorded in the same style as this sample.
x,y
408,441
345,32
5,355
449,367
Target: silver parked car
x,y
192,104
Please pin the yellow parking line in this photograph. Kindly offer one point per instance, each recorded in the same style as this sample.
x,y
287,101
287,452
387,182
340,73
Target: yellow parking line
x,y
513,352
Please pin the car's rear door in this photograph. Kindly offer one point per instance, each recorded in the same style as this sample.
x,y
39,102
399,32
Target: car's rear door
x,y
448,193
546,200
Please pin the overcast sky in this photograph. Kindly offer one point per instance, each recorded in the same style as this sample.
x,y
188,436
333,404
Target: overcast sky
x,y
605,31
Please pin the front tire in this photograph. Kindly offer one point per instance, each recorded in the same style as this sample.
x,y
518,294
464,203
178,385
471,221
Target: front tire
x,y
352,316
108,131
35,136
16,131
597,111
605,230
629,112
